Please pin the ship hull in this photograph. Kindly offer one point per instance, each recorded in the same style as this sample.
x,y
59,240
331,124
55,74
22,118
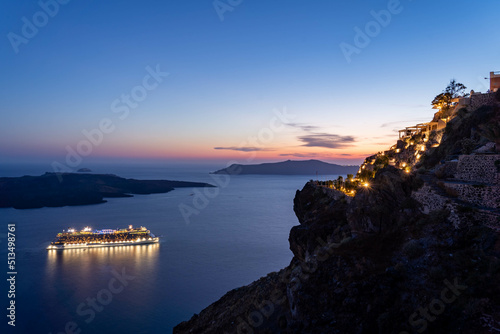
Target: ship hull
x,y
103,244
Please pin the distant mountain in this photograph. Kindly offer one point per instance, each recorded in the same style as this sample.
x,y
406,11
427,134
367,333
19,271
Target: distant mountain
x,y
54,190
289,167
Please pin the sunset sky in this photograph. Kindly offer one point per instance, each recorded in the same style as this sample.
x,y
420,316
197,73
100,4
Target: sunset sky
x,y
252,81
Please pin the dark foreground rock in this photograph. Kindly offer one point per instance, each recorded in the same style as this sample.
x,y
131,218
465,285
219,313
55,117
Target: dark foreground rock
x,y
369,264
55,190
409,253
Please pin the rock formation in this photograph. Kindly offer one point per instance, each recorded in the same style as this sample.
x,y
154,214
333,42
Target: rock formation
x,y
412,252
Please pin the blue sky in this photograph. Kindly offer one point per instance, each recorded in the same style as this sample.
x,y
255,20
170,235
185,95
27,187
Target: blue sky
x,y
228,77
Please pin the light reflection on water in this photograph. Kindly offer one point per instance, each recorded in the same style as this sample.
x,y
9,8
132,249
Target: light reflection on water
x,y
138,262
142,258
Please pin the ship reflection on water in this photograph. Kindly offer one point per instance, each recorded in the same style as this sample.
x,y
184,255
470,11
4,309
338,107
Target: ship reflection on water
x,y
85,262
142,254
96,284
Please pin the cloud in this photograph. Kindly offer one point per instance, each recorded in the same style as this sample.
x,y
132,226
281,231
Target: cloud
x,y
303,127
326,140
310,128
243,149
300,155
346,155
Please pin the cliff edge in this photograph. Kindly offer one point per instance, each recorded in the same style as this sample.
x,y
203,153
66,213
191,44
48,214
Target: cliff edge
x,y
415,250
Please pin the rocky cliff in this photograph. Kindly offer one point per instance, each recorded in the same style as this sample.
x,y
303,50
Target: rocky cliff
x,y
406,254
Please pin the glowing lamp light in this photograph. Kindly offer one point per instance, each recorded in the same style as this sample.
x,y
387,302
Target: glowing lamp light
x,y
366,184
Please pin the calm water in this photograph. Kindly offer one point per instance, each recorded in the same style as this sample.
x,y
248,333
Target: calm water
x,y
240,235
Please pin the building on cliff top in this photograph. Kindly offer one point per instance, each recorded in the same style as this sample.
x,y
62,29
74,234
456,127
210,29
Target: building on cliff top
x,y
494,81
423,128
474,100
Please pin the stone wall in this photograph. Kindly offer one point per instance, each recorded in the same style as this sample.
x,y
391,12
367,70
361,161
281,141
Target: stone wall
x,y
478,168
478,100
431,201
478,194
489,219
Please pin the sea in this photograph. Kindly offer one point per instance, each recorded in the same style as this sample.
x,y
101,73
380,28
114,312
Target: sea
x,y
213,240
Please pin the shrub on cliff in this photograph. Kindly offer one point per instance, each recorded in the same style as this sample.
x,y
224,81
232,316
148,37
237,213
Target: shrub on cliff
x,y
444,100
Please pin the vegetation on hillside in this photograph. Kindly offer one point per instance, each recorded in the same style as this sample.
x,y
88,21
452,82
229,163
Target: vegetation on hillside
x,y
444,101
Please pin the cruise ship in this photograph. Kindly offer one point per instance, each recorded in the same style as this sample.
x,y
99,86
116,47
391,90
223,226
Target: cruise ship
x,y
88,238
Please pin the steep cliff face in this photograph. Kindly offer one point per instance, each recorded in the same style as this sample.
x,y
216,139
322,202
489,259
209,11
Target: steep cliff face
x,y
355,272
396,280
404,255
385,204
321,212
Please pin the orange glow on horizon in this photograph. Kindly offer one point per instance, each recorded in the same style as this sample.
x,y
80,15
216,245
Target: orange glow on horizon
x,y
198,149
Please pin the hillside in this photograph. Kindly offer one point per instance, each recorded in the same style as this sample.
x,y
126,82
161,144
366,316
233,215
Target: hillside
x,y
289,167
415,249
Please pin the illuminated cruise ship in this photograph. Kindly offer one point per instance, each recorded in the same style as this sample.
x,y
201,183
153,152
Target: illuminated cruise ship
x,y
88,238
